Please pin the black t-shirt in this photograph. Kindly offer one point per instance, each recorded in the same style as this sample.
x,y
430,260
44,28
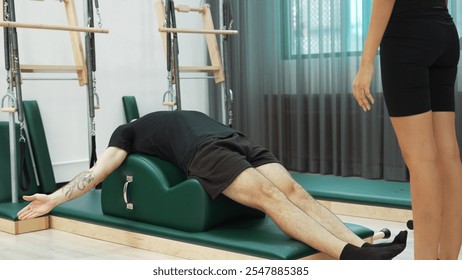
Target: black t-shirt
x,y
170,135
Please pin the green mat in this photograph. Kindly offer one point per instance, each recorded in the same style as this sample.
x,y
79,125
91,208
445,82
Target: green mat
x,y
258,237
8,210
356,190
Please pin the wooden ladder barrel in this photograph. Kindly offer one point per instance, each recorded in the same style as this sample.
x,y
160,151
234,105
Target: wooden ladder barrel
x,y
74,29
208,31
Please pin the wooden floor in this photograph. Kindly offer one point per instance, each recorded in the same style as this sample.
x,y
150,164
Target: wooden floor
x,y
57,245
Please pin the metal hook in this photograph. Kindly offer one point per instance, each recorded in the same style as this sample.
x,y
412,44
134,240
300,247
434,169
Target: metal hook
x,y
95,94
169,97
22,139
13,102
97,106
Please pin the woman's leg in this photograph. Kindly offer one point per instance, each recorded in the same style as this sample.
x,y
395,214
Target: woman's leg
x,y
450,167
416,138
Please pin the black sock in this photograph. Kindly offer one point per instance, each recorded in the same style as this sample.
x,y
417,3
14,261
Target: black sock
x,y
351,252
401,238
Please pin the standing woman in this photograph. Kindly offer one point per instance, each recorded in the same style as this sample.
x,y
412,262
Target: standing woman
x,y
419,52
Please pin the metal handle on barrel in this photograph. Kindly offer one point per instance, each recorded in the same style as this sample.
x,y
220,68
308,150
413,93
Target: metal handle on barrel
x,y
129,179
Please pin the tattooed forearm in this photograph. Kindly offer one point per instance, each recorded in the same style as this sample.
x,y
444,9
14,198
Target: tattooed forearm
x,y
80,183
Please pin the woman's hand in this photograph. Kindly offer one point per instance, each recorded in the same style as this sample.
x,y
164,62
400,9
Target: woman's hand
x,y
362,85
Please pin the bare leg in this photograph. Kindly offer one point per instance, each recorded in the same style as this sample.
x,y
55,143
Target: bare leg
x,y
451,170
418,146
252,189
279,176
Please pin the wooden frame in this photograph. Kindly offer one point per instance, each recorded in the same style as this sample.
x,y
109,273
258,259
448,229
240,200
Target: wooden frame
x,y
19,227
153,243
148,242
368,211
74,30
209,32
76,43
51,27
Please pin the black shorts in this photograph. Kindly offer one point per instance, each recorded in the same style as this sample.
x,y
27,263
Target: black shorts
x,y
219,161
419,54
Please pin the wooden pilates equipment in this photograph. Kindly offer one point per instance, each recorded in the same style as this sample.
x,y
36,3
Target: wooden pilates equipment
x,y
210,34
198,31
52,27
80,67
208,31
76,43
180,249
84,67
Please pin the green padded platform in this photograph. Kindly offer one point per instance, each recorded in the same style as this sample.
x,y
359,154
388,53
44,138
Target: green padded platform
x,y
130,108
161,195
39,145
10,210
258,237
5,168
356,190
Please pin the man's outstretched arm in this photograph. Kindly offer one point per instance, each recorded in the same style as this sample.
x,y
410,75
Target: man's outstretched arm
x,y
41,204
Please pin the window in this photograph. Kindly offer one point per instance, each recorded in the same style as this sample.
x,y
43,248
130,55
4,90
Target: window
x,y
317,27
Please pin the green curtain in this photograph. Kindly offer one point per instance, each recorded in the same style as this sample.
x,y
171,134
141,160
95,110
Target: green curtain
x,y
291,69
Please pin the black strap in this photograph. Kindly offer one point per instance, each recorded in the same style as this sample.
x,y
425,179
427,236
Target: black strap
x,y
174,52
168,7
93,157
227,22
24,177
91,35
91,61
6,39
11,57
227,15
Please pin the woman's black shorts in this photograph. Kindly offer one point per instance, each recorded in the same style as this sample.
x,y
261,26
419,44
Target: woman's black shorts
x,y
219,161
419,54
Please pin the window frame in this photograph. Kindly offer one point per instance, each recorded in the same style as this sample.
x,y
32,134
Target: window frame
x,y
286,31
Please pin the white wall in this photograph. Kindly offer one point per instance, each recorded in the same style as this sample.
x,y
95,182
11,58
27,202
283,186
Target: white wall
x,y
130,61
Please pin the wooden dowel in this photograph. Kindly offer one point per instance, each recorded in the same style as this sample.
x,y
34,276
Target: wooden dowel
x,y
169,104
199,68
198,31
9,110
187,9
49,79
29,68
52,27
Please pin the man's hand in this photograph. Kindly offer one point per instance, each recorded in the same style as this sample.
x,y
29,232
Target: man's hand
x,y
40,205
